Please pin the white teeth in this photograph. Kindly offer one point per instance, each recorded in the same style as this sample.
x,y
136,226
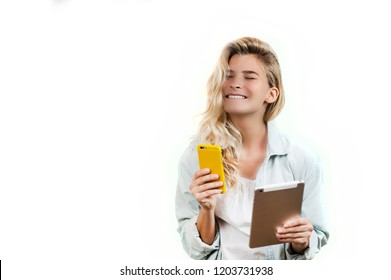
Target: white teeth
x,y
235,97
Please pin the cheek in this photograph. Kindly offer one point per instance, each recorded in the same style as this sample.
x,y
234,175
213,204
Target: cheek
x,y
260,90
225,87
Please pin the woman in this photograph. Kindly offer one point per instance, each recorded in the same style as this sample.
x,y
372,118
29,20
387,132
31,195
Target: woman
x,y
244,94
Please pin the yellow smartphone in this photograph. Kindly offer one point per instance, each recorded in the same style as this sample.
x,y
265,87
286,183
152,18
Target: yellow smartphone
x,y
211,156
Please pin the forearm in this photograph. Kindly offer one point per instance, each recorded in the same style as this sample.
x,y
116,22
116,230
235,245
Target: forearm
x,y
206,225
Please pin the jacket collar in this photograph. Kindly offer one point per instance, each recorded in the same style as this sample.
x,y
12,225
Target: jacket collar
x,y
275,143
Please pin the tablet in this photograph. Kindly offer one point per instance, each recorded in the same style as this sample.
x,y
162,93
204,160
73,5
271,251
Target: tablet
x,y
273,205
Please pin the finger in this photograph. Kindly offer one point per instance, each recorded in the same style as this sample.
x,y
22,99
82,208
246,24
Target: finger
x,y
210,186
195,184
294,236
209,199
297,221
200,192
206,179
301,228
201,172
207,195
291,240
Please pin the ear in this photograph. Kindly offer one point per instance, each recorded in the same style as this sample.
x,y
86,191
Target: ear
x,y
272,95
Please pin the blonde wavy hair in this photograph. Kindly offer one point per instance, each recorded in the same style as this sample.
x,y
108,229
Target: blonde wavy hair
x,y
216,126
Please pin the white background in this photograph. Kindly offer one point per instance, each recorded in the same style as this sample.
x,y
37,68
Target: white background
x,y
98,100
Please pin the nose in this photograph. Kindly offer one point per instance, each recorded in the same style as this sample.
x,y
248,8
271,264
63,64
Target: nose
x,y
235,85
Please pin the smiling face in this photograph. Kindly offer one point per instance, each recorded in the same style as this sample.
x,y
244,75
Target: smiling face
x,y
246,89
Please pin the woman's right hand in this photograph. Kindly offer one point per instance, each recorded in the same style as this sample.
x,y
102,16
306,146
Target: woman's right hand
x,y
204,189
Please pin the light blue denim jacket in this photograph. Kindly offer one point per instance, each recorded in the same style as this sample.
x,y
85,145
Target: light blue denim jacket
x,y
285,161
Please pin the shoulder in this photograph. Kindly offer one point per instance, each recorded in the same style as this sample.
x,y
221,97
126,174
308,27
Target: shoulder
x,y
191,149
300,149
189,158
301,154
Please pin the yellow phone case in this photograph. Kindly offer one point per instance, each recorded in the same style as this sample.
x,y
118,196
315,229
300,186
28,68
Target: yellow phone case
x,y
210,156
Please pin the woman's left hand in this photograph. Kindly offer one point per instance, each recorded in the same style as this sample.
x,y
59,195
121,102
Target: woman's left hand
x,y
296,231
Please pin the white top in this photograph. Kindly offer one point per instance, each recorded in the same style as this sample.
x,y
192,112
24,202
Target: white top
x,y
234,211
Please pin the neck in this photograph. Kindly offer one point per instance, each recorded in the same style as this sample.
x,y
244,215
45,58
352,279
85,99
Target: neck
x,y
253,130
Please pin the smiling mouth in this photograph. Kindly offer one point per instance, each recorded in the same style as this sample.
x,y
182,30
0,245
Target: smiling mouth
x,y
235,96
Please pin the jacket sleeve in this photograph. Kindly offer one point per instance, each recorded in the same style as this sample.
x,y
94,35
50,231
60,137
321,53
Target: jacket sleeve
x,y
187,209
308,168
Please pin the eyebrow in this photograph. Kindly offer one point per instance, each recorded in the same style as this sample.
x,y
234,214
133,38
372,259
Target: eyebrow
x,y
244,72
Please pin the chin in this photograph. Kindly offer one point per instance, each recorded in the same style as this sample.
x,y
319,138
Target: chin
x,y
237,110
242,111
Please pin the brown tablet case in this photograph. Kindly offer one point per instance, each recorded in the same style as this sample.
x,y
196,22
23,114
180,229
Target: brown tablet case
x,y
271,209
